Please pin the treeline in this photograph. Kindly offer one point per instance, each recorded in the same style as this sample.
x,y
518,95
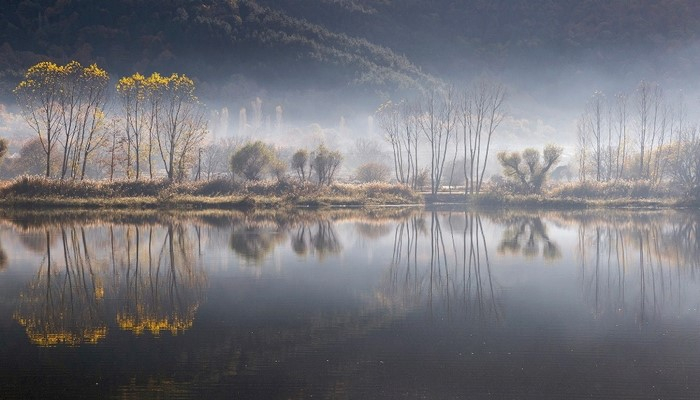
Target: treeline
x,y
157,120
630,144
457,127
639,135
155,128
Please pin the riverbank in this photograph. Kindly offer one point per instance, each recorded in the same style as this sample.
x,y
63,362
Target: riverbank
x,y
40,193
548,202
224,194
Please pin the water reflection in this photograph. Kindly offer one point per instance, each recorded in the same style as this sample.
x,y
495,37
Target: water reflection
x,y
64,303
254,242
3,258
452,276
527,235
638,265
137,278
162,281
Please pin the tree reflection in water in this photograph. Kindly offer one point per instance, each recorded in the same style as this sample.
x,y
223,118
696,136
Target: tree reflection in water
x,y
3,259
64,304
255,241
527,234
455,279
638,266
163,286
150,273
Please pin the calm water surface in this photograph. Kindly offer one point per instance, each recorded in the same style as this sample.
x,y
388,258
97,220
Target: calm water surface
x,y
343,304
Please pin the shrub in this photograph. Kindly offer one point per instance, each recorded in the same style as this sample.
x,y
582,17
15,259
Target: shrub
x,y
372,172
253,160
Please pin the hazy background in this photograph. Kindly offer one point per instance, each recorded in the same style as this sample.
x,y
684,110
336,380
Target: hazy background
x,y
315,70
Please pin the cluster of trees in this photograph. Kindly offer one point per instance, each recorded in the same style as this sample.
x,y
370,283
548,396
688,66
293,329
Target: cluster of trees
x,y
158,120
162,116
64,105
450,124
638,136
256,160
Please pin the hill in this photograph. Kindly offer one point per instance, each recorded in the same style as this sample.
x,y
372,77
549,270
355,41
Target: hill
x,y
335,51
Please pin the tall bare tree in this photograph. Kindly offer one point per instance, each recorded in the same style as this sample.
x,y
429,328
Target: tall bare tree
x,y
437,121
648,102
480,113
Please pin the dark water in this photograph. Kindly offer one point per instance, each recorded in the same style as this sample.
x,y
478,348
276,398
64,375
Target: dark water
x,y
342,304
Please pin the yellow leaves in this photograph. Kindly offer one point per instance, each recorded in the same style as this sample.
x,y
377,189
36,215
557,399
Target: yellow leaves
x,y
49,78
93,72
179,85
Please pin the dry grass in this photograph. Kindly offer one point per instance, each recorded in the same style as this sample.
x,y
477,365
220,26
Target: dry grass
x,y
609,190
32,191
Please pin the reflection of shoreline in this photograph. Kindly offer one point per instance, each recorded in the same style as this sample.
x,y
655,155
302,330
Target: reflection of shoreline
x,y
155,282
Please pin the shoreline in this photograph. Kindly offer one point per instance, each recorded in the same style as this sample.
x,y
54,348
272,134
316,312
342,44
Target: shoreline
x,y
248,202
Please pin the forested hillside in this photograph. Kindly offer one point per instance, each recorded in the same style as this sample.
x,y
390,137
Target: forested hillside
x,y
382,44
212,40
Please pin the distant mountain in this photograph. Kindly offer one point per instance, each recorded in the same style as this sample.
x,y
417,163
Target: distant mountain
x,y
348,47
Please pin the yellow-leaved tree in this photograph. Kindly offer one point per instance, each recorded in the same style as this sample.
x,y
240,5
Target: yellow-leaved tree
x,y
37,95
64,104
162,114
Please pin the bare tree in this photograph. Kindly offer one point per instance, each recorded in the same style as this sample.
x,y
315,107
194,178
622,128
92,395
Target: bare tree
x,y
648,101
437,121
390,121
582,147
399,123
620,117
112,155
480,114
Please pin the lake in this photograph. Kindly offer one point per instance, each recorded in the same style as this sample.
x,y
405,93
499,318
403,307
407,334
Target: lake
x,y
386,303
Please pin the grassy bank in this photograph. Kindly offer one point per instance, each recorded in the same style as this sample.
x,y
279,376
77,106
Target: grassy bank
x,y
485,201
35,192
223,194
578,195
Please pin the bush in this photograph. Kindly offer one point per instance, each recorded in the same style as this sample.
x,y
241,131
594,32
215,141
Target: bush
x,y
253,160
372,172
